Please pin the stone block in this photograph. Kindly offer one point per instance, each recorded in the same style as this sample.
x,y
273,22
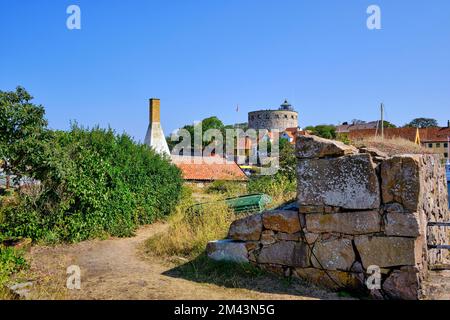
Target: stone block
x,y
227,250
246,229
353,223
387,251
309,147
336,254
287,253
400,181
282,221
402,224
402,284
349,182
340,279
268,237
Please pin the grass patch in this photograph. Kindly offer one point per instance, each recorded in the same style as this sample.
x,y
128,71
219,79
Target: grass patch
x,y
12,261
392,146
190,229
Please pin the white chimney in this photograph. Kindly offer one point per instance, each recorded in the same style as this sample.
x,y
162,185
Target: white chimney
x,y
155,136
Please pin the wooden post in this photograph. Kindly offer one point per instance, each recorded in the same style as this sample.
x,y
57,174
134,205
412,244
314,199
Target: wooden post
x,y
382,122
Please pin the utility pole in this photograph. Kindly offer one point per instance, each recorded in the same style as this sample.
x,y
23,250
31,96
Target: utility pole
x,y
382,121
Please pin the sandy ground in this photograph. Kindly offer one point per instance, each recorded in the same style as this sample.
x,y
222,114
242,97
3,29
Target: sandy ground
x,y
118,269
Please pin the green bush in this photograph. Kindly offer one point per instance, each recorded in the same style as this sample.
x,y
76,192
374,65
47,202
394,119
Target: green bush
x,y
278,186
227,188
11,261
93,182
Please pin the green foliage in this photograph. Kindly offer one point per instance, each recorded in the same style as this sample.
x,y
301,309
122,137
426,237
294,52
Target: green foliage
x,y
228,188
92,182
388,124
11,261
323,130
205,125
288,161
278,186
422,123
22,128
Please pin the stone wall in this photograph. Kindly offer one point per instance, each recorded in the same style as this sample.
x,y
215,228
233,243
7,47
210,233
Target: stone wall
x,y
358,209
272,119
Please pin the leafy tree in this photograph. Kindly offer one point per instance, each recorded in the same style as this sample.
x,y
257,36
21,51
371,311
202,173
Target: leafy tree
x,y
206,124
324,131
22,131
388,124
422,123
288,161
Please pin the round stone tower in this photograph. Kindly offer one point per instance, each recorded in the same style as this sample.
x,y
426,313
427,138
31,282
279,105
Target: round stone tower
x,y
281,119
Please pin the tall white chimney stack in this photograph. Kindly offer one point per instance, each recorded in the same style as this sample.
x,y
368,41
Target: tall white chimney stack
x,y
155,136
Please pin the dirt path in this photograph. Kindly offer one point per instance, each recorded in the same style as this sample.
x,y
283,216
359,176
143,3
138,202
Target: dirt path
x,y
116,269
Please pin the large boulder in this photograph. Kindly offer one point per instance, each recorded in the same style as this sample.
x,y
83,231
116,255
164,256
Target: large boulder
x,y
337,254
349,182
402,284
287,253
353,223
282,221
387,251
309,147
246,229
227,250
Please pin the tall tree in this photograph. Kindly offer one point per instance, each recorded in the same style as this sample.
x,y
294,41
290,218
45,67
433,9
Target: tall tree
x,y
22,129
423,123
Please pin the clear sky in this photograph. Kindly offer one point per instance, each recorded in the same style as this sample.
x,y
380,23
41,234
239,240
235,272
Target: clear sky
x,y
203,57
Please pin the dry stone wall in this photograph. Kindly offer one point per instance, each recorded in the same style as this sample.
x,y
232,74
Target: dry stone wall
x,y
358,210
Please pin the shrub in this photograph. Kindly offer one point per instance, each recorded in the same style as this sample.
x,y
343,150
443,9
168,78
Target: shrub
x,y
228,188
278,186
93,182
11,261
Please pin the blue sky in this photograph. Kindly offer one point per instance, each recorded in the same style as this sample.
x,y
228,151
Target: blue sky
x,y
203,57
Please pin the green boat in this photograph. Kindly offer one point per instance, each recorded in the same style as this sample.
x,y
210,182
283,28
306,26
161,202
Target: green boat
x,y
252,203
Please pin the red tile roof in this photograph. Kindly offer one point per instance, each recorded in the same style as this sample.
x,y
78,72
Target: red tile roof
x,y
208,168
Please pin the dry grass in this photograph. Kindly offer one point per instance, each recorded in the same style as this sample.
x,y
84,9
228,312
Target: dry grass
x,y
190,230
393,146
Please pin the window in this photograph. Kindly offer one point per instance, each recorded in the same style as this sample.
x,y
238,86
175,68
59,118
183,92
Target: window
x,y
446,154
286,116
446,145
430,145
438,145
